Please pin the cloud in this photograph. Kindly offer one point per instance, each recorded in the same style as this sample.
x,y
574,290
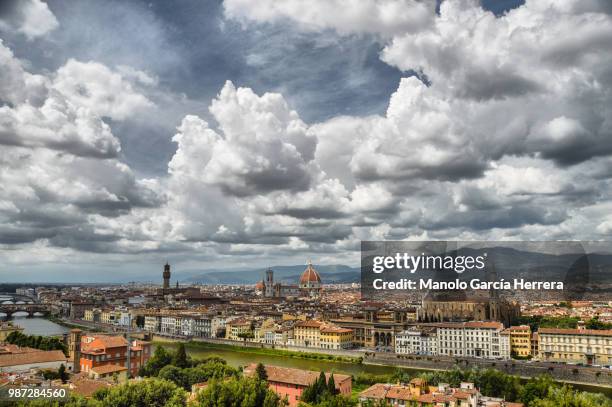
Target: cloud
x,y
101,90
502,133
31,18
16,84
263,145
59,159
381,17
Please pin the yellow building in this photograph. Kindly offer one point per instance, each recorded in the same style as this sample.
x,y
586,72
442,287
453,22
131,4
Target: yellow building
x,y
307,333
520,340
109,316
589,346
7,328
333,337
239,329
88,315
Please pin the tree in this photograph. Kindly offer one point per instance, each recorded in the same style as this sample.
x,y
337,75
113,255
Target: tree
x,y
535,388
161,357
331,385
566,396
260,372
180,357
148,392
176,375
321,384
243,392
63,375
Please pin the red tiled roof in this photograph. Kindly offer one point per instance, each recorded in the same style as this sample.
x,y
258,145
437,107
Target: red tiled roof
x,y
294,376
311,323
87,387
310,275
105,369
17,359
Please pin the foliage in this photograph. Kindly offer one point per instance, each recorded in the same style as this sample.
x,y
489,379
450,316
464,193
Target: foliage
x,y
595,323
187,377
566,396
62,373
148,392
180,358
540,321
243,392
323,392
260,372
161,357
37,342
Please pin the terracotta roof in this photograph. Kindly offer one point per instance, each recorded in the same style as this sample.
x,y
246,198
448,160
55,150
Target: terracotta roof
x,y
486,324
310,275
519,328
239,321
376,391
87,387
105,369
335,329
311,323
17,359
560,331
103,342
294,376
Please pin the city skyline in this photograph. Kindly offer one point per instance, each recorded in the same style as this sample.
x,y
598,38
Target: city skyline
x,y
233,135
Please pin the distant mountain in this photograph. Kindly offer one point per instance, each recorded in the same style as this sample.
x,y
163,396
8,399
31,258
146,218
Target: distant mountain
x,y
336,273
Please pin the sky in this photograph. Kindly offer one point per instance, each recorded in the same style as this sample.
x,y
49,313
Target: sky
x,y
237,134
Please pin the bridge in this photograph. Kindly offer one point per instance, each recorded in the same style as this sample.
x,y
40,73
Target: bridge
x,y
30,309
12,297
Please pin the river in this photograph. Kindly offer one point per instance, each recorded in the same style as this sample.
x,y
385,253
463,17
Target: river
x,y
237,359
37,325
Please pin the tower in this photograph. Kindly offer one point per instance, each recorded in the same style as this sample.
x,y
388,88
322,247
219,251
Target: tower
x,y
269,283
74,350
166,276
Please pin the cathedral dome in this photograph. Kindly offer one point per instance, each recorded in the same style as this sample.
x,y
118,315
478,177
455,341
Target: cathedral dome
x,y
310,275
260,286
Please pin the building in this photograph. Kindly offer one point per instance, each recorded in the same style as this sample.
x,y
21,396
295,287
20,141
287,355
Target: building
x,y
26,359
74,349
290,383
455,307
333,337
417,341
152,323
109,372
520,340
418,394
535,344
472,339
166,276
7,328
591,347
376,328
307,333
101,350
309,285
239,329
310,282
